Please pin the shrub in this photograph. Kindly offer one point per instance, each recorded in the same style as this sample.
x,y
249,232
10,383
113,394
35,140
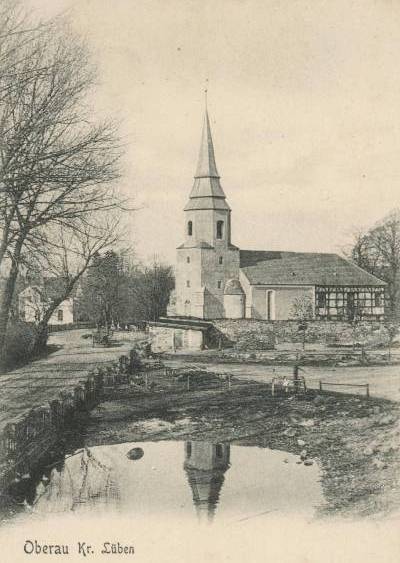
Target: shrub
x,y
19,343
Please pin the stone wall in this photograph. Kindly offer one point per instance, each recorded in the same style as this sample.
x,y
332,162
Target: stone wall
x,y
253,334
168,339
162,339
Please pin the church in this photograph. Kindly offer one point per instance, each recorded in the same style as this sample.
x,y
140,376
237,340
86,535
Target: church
x,y
217,280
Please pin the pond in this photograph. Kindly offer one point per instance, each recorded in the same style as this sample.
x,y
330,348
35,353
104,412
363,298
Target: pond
x,y
193,480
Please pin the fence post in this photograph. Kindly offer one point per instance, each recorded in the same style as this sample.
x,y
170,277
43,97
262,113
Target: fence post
x,y
273,387
229,381
320,385
367,390
188,383
146,380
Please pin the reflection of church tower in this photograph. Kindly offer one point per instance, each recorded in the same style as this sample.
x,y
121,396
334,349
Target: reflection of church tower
x,y
205,465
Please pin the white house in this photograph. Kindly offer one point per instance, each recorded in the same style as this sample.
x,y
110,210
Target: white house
x,y
34,300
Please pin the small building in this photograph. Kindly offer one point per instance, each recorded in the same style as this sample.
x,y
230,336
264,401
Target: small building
x,y
34,300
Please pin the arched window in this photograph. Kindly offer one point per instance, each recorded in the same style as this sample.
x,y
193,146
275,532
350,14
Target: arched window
x,y
220,229
190,228
188,259
220,260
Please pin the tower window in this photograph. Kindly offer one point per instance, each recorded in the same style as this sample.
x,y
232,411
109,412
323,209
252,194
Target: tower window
x,y
220,260
220,229
188,259
190,228
188,283
219,284
60,315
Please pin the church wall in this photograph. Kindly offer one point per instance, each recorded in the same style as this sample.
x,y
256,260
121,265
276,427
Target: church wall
x,y
244,282
188,272
283,299
204,223
234,306
215,274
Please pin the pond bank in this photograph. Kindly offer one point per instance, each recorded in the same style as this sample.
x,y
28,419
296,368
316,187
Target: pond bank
x,y
355,441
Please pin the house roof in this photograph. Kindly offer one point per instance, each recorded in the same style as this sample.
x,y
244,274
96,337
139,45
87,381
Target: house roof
x,y
303,268
51,288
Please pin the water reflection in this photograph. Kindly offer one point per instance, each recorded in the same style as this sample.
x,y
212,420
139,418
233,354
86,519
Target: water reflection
x,y
189,480
81,484
205,465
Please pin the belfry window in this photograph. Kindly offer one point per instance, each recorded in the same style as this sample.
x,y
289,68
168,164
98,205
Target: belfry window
x,y
188,259
220,229
219,285
220,260
190,228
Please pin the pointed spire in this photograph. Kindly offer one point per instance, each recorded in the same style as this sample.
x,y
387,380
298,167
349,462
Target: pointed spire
x,y
206,167
207,192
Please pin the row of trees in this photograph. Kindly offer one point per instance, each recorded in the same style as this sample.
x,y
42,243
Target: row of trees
x,y
58,164
119,291
377,250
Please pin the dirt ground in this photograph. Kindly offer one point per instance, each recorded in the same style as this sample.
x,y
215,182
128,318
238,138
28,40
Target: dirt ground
x,y
355,441
384,381
70,358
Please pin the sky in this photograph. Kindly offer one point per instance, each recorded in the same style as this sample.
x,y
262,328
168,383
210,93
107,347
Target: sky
x,y
304,103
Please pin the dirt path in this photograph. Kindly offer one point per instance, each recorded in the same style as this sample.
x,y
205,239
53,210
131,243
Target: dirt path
x,y
40,381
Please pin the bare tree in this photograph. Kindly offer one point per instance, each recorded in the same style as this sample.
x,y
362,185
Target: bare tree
x,y
378,251
56,165
392,329
65,254
303,311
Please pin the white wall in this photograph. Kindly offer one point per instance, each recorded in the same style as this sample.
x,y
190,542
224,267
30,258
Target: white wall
x,y
67,308
283,299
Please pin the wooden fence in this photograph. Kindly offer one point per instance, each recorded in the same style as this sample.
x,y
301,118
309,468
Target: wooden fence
x,y
33,433
330,383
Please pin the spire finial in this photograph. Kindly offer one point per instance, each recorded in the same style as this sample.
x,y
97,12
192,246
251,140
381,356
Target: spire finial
x,y
205,93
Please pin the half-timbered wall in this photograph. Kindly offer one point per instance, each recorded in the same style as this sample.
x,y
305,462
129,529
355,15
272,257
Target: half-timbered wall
x,y
349,303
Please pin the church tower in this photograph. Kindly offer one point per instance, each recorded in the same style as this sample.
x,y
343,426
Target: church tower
x,y
207,260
